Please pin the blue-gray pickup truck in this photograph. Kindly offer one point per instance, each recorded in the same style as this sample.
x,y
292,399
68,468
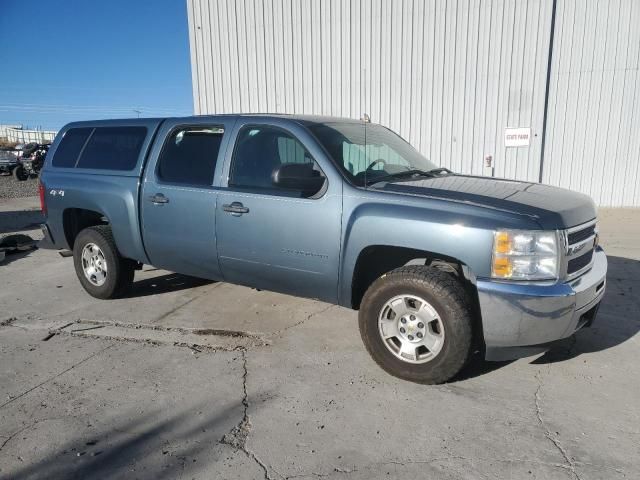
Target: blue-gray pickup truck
x,y
439,265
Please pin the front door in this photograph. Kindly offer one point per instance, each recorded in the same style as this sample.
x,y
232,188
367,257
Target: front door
x,y
274,238
178,201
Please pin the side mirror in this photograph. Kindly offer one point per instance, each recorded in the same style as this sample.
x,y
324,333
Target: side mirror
x,y
299,177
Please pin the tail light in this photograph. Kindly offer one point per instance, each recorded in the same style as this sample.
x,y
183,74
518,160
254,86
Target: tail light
x,y
41,193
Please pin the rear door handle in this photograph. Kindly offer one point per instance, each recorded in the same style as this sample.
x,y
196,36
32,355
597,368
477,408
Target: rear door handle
x,y
158,199
235,208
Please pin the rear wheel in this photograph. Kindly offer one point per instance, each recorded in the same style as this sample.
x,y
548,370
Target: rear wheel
x,y
416,324
20,174
102,271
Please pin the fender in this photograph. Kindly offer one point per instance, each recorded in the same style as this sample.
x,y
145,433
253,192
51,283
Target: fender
x,y
450,229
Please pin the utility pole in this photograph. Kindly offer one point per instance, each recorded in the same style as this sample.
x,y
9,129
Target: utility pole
x,y
137,111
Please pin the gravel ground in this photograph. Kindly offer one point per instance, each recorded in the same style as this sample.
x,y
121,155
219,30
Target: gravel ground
x,y
11,188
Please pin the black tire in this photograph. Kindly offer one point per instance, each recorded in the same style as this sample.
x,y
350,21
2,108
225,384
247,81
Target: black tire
x,y
120,270
20,174
453,306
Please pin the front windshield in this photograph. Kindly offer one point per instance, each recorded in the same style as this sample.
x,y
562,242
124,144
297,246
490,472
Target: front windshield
x,y
367,153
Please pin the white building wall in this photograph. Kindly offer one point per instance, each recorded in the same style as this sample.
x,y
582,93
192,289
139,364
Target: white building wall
x,y
593,128
448,75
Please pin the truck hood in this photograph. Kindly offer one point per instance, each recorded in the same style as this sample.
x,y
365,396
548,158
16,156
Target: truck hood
x,y
552,207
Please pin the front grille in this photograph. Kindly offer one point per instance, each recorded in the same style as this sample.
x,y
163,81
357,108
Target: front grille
x,y
578,263
580,244
580,235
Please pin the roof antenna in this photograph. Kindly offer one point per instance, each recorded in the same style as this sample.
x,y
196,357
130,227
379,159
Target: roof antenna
x,y
365,119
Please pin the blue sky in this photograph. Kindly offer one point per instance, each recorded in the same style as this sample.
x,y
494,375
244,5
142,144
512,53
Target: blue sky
x,y
66,60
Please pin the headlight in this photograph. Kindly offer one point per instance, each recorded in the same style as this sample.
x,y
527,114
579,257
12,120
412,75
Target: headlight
x,y
525,255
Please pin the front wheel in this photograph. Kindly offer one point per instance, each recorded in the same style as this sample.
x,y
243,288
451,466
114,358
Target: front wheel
x,y
416,323
20,174
102,271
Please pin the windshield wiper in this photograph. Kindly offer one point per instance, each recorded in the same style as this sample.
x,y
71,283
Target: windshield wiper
x,y
414,172
408,173
440,170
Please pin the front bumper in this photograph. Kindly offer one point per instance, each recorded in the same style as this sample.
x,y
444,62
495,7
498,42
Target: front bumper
x,y
521,319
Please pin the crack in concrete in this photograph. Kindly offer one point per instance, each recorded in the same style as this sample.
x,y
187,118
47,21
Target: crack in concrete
x,y
26,427
184,304
86,359
10,437
552,438
255,340
198,348
161,328
237,437
279,333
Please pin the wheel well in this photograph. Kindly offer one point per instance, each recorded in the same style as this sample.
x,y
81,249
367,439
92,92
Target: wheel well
x,y
376,260
77,219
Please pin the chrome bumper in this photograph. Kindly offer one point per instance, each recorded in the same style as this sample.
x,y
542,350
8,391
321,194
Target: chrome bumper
x,y
519,319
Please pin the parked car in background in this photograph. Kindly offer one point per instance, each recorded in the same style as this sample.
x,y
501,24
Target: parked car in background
x,y
8,162
438,264
31,161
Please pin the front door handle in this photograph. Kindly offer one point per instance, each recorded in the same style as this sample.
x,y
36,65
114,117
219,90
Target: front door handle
x,y
235,208
158,199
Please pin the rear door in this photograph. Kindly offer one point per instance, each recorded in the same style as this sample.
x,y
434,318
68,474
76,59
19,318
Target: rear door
x,y
179,196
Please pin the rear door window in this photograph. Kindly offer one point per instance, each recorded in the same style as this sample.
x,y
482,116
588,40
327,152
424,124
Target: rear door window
x,y
113,148
189,156
70,147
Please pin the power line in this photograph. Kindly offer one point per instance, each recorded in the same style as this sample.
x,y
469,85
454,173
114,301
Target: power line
x,y
32,88
84,106
49,108
92,112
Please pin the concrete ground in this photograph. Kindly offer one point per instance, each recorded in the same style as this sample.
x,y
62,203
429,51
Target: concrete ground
x,y
194,379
